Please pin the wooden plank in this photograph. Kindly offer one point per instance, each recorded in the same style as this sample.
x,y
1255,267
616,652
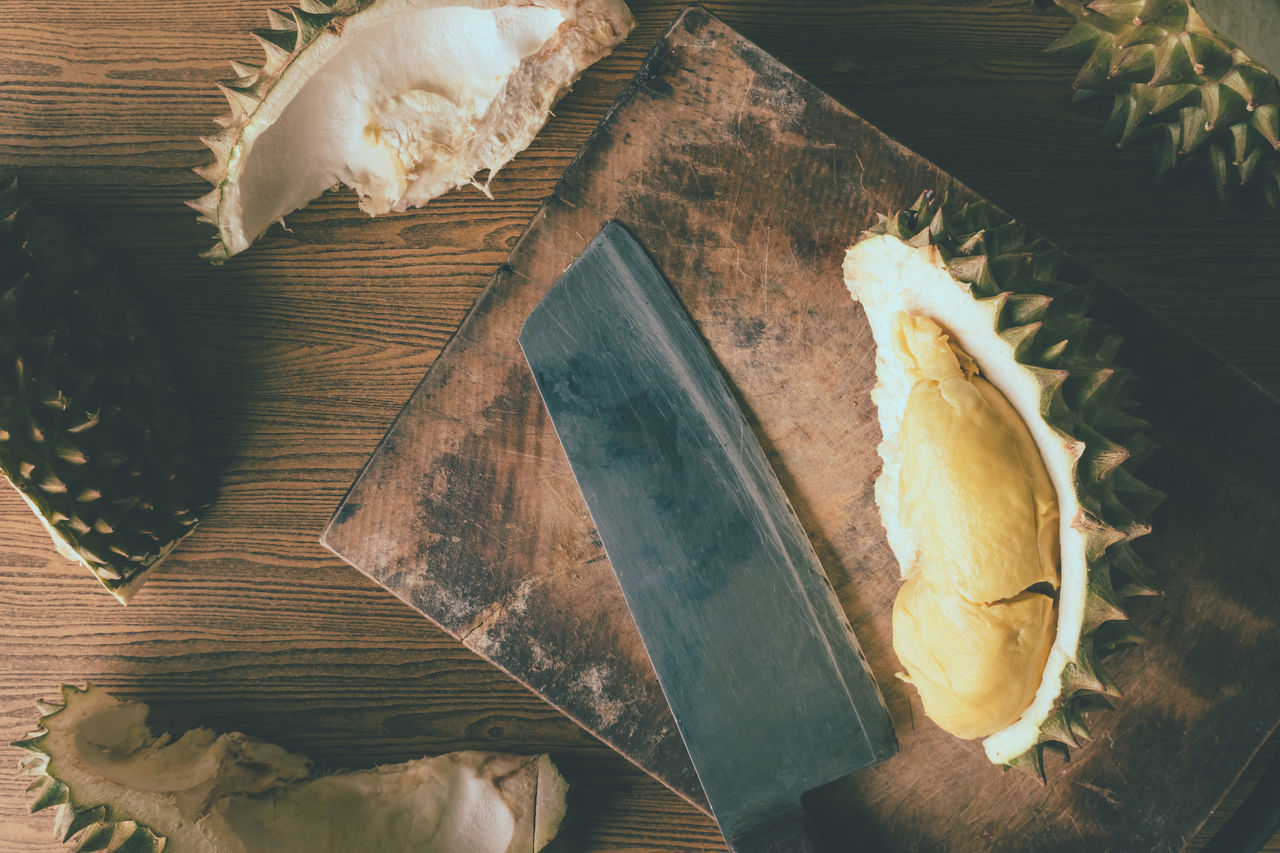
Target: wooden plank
x,y
746,183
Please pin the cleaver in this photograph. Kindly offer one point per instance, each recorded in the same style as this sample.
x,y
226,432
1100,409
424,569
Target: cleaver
x,y
755,656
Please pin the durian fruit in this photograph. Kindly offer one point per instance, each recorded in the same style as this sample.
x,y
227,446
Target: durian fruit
x,y
93,433
1006,491
1189,90
119,788
402,100
974,621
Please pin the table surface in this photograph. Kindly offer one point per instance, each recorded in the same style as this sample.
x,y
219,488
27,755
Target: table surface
x,y
298,354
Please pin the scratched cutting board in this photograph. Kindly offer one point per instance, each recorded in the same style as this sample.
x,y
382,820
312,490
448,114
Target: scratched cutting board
x,y
746,184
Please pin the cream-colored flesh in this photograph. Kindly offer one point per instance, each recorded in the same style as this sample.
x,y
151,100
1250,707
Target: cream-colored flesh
x,y
974,491
888,277
976,497
976,666
394,108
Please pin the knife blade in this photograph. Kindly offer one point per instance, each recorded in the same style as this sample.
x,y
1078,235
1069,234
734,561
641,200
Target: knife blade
x,y
753,652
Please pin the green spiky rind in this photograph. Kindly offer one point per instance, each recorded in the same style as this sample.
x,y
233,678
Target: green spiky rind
x,y
289,32
98,828
1175,82
1085,397
92,429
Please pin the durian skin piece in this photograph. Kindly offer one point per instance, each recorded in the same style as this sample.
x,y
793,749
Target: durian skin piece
x,y
1013,303
401,100
119,787
94,433
1189,91
976,496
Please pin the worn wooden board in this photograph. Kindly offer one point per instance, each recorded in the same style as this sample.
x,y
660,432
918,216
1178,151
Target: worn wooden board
x,y
746,184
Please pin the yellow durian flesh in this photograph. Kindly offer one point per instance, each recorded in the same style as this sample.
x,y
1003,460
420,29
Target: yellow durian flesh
x,y
983,515
973,483
976,666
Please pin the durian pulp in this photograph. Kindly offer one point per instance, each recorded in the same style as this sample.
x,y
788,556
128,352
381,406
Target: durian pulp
x,y
397,108
972,624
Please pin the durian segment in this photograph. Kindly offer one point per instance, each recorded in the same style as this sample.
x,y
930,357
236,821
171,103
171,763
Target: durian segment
x,y
93,433
1173,81
975,494
1008,301
112,778
401,100
976,666
977,502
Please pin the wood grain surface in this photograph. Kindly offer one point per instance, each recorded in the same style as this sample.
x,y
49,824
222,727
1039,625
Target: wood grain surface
x,y
300,353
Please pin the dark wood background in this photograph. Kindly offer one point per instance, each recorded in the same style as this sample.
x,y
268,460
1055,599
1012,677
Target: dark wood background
x,y
299,353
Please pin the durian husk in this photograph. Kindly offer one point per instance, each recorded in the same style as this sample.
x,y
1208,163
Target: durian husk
x,y
301,39
1018,309
1189,91
94,433
118,787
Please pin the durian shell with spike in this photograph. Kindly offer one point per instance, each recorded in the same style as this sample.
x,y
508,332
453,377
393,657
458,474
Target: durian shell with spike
x,y
335,51
93,432
1190,91
1009,301
119,788
96,824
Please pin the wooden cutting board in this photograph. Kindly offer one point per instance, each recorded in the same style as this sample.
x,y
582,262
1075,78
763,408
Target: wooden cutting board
x,y
746,184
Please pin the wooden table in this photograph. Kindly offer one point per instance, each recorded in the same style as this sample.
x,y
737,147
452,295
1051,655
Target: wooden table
x,y
299,353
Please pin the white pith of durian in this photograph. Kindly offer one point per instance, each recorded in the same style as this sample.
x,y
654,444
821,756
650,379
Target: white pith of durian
x,y
112,779
888,276
402,100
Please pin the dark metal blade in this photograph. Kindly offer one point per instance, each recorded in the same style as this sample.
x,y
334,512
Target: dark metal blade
x,y
759,665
